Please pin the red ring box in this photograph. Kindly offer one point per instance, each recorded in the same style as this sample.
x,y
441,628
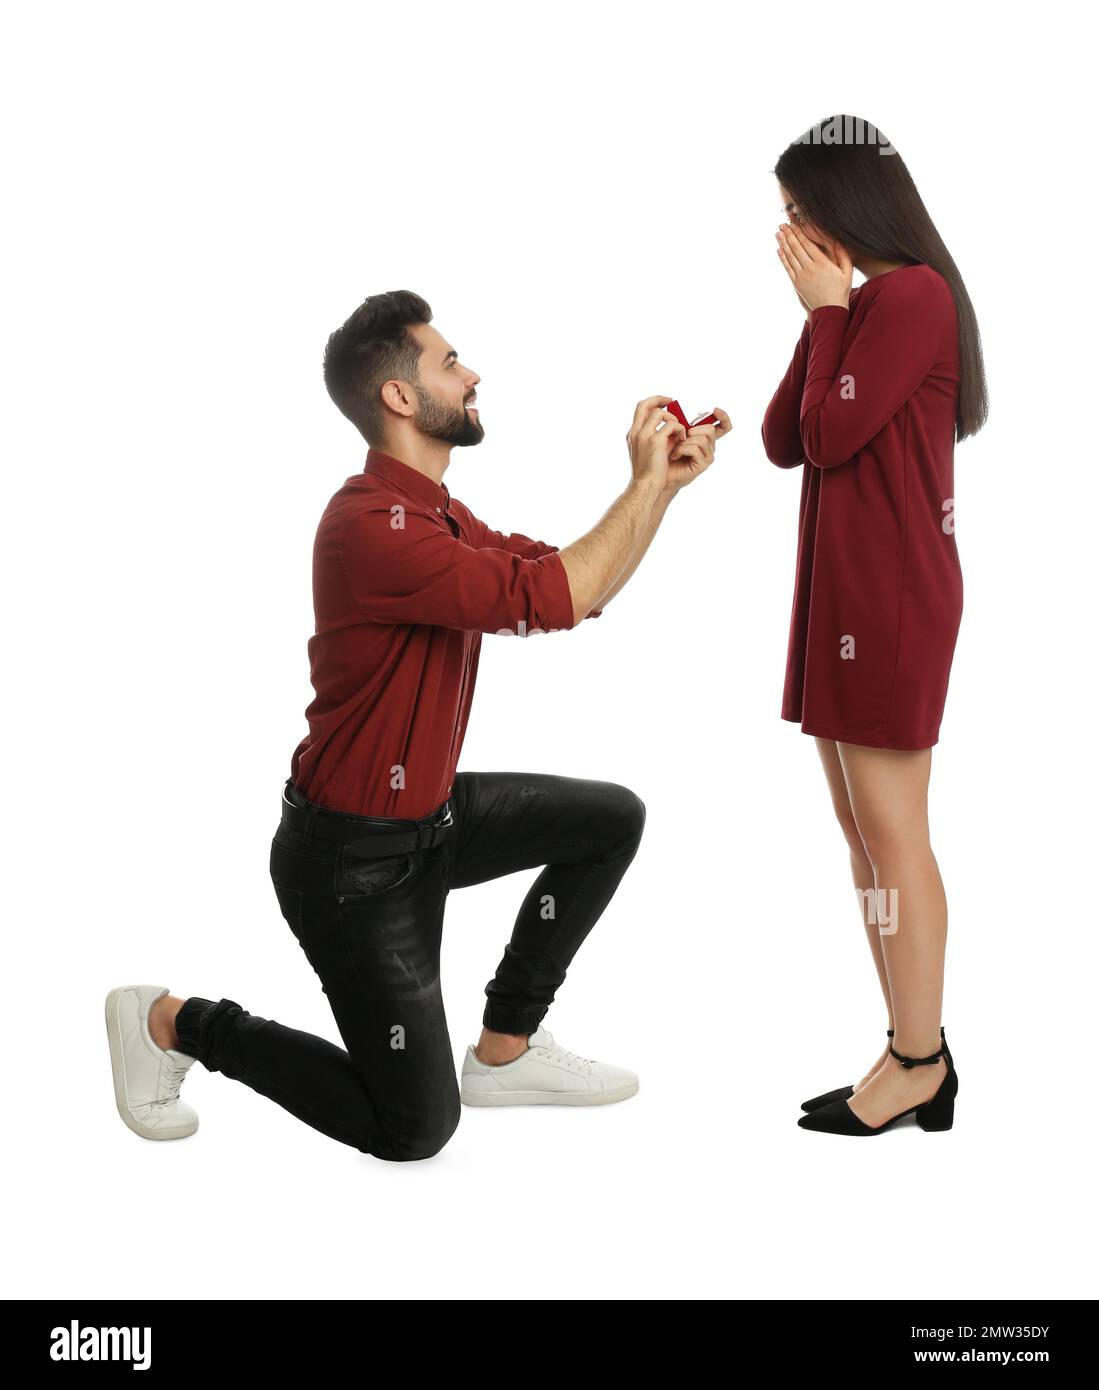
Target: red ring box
x,y
677,410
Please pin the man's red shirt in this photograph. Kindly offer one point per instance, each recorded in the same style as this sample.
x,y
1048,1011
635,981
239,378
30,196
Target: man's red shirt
x,y
405,581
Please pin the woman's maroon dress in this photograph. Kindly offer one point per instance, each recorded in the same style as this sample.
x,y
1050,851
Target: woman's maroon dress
x,y
868,406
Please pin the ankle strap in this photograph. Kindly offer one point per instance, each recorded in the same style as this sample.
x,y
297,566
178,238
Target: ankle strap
x,y
916,1061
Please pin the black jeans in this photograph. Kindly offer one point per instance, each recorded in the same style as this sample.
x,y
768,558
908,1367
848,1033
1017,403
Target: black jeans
x,y
371,929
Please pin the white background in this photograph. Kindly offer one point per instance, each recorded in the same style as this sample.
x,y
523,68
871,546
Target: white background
x,y
199,195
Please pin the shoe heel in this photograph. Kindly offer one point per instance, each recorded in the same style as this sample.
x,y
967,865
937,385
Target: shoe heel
x,y
935,1117
938,1113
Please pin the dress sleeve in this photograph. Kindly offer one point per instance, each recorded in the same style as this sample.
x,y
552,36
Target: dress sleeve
x,y
421,572
781,422
850,396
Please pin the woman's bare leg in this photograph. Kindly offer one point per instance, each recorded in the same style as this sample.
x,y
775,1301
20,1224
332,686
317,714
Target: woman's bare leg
x,y
862,875
888,795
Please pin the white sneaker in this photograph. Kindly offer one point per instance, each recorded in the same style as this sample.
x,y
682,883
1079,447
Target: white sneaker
x,y
147,1078
546,1074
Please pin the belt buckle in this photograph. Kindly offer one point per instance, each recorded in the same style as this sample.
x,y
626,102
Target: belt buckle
x,y
448,817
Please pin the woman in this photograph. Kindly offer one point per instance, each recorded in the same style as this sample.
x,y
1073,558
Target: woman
x,y
885,378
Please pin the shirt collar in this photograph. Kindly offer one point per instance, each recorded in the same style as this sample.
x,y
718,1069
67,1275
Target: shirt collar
x,y
406,479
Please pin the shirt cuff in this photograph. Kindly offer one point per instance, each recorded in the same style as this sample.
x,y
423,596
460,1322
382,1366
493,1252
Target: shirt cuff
x,y
557,601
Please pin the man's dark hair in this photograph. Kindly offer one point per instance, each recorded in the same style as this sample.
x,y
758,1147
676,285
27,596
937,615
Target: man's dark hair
x,y
373,347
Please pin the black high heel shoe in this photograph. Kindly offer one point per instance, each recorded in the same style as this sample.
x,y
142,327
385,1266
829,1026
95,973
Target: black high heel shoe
x,y
845,1092
932,1115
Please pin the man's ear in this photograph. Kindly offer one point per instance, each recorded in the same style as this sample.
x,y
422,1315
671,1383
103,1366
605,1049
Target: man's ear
x,y
397,398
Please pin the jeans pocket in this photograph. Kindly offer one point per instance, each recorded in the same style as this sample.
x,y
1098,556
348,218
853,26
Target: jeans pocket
x,y
360,877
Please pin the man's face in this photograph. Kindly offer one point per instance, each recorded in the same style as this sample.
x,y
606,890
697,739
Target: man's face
x,y
445,391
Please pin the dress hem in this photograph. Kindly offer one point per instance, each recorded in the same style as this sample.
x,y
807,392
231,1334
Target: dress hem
x,y
862,739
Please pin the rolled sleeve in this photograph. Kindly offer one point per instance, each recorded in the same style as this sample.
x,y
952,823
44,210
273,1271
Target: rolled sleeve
x,y
516,544
420,572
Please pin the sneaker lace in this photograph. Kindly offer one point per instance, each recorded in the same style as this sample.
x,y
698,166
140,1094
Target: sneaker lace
x,y
557,1053
172,1081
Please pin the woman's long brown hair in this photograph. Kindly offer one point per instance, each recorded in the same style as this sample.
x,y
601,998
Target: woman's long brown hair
x,y
848,180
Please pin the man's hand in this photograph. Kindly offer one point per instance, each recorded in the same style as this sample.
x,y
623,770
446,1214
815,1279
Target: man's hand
x,y
601,561
651,438
695,454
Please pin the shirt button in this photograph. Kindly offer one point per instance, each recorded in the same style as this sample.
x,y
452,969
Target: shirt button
x,y
439,509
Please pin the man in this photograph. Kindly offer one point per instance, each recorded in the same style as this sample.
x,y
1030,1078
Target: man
x,y
377,826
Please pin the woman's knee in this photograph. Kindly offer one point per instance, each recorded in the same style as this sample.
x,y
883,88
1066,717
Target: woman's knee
x,y
846,820
886,844
854,840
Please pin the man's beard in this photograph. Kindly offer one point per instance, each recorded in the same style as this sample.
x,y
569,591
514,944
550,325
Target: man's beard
x,y
441,421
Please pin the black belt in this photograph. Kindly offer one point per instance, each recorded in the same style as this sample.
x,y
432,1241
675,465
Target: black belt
x,y
314,822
